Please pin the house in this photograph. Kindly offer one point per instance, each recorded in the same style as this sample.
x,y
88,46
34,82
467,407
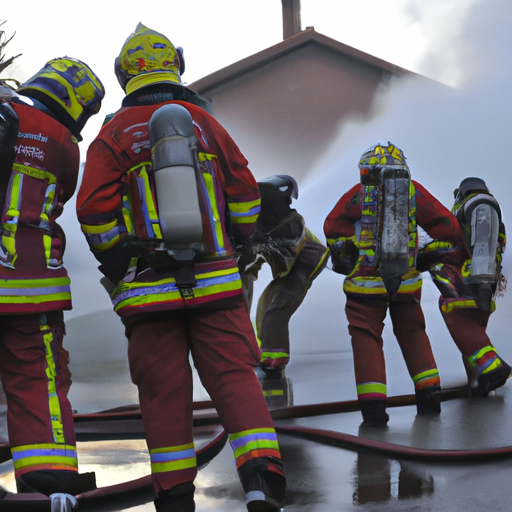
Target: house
x,y
286,104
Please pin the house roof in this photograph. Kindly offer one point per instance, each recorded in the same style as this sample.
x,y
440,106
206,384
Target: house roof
x,y
290,45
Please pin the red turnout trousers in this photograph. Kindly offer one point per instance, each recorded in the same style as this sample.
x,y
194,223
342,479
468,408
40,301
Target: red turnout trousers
x,y
224,350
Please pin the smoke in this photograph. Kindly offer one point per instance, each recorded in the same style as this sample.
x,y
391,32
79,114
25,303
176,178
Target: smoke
x,y
447,134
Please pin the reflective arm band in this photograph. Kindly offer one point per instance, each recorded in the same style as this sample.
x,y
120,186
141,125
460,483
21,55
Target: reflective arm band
x,y
104,236
245,212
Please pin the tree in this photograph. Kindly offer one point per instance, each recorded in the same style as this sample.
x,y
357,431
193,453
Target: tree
x,y
4,41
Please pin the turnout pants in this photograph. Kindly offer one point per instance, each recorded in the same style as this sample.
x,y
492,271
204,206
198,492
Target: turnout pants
x,y
366,323
36,380
225,352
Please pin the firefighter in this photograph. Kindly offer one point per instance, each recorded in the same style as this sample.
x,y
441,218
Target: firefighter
x,y
40,128
468,291
296,257
372,235
164,189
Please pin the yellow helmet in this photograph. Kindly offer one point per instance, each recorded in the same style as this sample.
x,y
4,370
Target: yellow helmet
x,y
148,57
378,156
69,88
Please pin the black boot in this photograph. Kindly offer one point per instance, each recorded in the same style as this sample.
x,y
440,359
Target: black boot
x,y
374,413
264,484
50,481
494,379
177,499
428,400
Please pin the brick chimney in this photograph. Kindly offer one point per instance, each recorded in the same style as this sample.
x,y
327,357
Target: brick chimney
x,y
291,18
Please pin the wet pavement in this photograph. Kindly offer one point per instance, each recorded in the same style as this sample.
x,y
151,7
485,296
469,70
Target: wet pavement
x,y
321,477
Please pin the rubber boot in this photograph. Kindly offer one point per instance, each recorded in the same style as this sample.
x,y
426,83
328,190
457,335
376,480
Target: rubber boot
x,y
494,379
49,482
177,499
428,400
264,484
374,413
277,388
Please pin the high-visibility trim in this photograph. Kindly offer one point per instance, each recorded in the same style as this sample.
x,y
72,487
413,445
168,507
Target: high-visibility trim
x,y
269,355
103,236
34,173
371,391
209,284
250,444
331,241
427,379
485,359
320,264
450,305
173,458
213,211
35,457
51,374
127,215
372,285
244,212
147,203
10,227
34,291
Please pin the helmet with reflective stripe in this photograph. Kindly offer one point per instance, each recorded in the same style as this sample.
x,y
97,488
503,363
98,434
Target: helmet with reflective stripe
x,y
378,156
69,88
148,57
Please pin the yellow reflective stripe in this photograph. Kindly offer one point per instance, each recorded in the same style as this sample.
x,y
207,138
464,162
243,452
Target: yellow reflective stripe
x,y
62,456
371,388
27,291
101,228
148,196
149,211
173,458
480,353
11,226
464,303
249,440
203,157
423,375
35,173
216,222
50,297
127,215
13,208
153,298
244,212
102,236
274,355
31,283
53,399
47,243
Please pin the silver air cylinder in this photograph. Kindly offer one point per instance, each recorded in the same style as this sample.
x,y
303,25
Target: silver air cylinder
x,y
173,153
394,217
484,221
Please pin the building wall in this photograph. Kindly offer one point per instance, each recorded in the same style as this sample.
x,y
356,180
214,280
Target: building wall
x,y
284,114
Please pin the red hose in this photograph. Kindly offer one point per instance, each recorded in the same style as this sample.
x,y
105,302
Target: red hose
x,y
356,443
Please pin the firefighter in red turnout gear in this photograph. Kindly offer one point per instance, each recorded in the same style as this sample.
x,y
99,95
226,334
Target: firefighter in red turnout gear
x,y
468,290
372,235
166,194
39,131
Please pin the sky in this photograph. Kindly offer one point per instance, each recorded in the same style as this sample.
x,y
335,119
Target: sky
x,y
447,133
216,33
